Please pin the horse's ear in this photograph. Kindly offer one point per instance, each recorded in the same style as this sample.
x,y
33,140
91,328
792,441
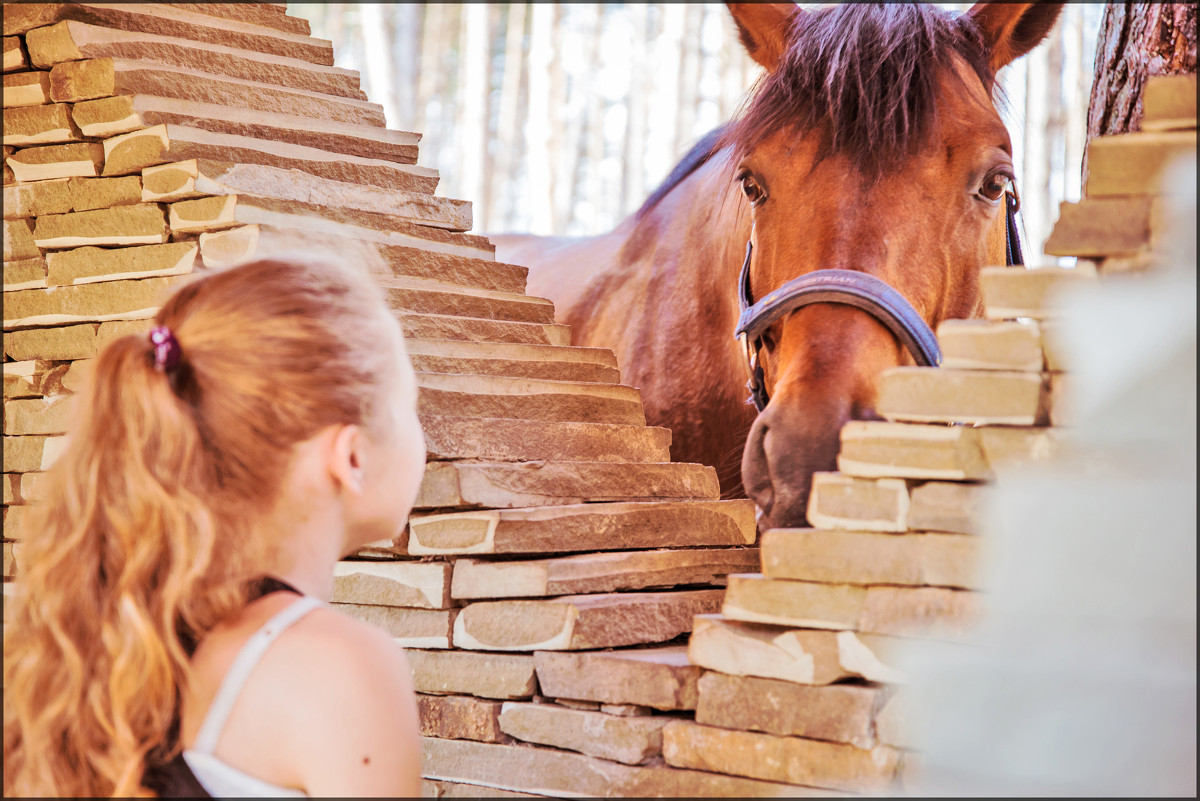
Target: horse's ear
x,y
763,29
1013,29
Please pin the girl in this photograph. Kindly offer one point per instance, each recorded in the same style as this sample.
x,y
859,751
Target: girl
x,y
169,632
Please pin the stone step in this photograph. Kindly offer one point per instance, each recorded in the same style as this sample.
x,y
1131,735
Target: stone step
x,y
428,296
975,397
269,15
1135,163
796,655
599,572
126,113
550,771
161,19
839,501
410,628
794,760
42,162
858,557
480,329
840,713
528,399
577,622
460,717
871,449
988,345
1009,293
25,88
162,144
62,195
67,343
503,485
94,302
628,740
934,612
594,365
477,673
417,585
449,438
15,57
659,678
80,41
39,125
584,527
1101,227
1169,102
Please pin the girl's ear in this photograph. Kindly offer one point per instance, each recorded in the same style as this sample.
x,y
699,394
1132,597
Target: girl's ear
x,y
1010,30
345,458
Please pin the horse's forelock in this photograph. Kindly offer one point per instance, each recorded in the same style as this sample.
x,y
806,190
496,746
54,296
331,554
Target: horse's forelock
x,y
870,72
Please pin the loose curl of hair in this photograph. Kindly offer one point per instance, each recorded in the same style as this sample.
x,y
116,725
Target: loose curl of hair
x,y
141,540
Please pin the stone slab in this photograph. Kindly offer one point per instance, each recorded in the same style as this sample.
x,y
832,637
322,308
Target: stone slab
x,y
92,264
873,449
410,628
25,274
855,557
841,713
797,655
976,397
130,153
141,224
22,201
1010,293
576,622
26,89
424,296
440,789
1101,226
424,585
487,675
93,302
40,163
920,612
846,502
593,365
88,79
31,454
481,272
792,760
584,527
68,342
1169,101
660,678
1134,163
19,243
629,740
39,125
38,415
597,573
528,399
1008,448
107,116
460,717
945,506
15,57
547,771
478,329
21,488
519,441
988,345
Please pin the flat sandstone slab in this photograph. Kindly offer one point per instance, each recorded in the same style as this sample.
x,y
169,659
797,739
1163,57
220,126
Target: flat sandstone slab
x,y
38,415
1010,292
68,342
873,449
141,224
846,502
410,628
991,345
946,506
487,675
976,397
1101,227
43,162
576,622
94,302
1134,163
629,740
449,438
660,678
423,585
460,717
92,264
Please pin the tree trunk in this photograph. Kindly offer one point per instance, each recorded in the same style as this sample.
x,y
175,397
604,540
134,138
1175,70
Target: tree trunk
x,y
474,56
1136,40
378,70
406,22
537,125
637,97
500,211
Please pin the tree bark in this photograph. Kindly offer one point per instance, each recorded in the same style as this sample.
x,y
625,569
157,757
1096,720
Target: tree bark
x,y
1136,40
507,154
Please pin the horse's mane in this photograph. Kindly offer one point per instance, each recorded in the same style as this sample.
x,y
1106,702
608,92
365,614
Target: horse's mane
x,y
868,71
696,157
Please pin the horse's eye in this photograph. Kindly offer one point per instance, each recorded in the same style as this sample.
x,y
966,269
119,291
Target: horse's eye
x,y
752,188
994,185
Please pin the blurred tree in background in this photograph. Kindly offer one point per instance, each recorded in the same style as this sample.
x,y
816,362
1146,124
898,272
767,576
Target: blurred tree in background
x,y
559,118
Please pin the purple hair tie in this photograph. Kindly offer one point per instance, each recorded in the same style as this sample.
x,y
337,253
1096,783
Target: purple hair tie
x,y
166,348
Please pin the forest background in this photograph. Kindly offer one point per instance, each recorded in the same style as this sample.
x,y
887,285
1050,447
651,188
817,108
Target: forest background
x,y
559,118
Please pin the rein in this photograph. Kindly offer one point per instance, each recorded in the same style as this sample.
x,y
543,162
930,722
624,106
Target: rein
x,y
851,288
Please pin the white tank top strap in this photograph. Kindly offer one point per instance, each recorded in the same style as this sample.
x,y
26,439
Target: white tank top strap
x,y
243,664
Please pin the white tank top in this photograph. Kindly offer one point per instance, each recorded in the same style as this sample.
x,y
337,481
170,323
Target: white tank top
x,y
218,778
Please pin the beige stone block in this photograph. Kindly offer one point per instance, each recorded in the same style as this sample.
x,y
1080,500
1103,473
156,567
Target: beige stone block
x,y
270,15
519,441
422,296
977,397
1099,227
220,249
51,44
988,345
919,612
14,55
17,526
26,89
30,454
516,361
73,81
170,182
473,329
840,501
1013,292
22,379
548,771
943,506
21,488
19,243
467,271
627,740
661,678
134,151
37,415
24,274
67,342
467,395
1062,402
1008,448
102,193
1052,344
800,656
439,789
141,224
205,214
410,628
598,572
853,557
109,300
412,584
488,675
791,760
22,201
39,125
584,527
107,116
575,622
841,713
756,599
893,725
1134,163
460,717
92,264
83,159
872,449
1169,101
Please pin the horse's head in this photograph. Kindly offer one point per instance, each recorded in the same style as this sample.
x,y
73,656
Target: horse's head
x,y
872,144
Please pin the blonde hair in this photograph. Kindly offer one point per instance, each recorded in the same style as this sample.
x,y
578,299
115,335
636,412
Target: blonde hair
x,y
140,542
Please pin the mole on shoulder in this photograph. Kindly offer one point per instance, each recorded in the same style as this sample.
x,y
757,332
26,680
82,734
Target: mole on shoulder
x,y
366,760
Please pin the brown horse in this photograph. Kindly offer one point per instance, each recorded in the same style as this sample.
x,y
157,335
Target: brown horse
x,y
872,144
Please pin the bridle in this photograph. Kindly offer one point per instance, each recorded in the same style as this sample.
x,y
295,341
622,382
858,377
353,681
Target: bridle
x,y
851,288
